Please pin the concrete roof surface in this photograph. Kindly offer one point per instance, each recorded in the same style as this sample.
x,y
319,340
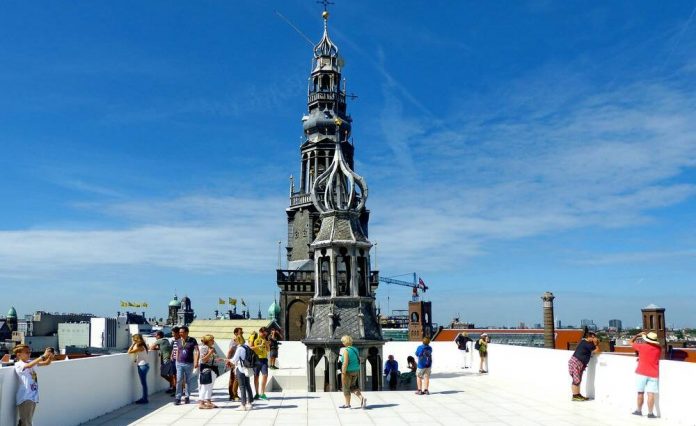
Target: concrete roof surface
x,y
458,399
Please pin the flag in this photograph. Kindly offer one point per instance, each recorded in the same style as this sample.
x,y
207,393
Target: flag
x,y
145,305
136,305
243,303
421,284
124,304
131,305
232,301
221,301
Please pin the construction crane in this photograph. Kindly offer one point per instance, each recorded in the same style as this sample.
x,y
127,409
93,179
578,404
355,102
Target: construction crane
x,y
416,285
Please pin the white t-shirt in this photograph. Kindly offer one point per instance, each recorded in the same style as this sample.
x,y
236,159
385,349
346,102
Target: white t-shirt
x,y
28,385
141,357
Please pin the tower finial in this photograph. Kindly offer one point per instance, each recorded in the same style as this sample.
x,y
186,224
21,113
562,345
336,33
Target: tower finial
x,y
326,4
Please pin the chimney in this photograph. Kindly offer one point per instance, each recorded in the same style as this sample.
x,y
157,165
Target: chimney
x,y
549,332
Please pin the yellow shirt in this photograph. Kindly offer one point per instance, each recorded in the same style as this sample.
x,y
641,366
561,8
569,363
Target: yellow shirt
x,y
261,344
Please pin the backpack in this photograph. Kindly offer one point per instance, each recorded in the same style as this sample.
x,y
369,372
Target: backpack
x,y
426,357
477,345
250,358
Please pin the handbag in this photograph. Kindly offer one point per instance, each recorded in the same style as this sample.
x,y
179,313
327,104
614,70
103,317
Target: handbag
x,y
206,376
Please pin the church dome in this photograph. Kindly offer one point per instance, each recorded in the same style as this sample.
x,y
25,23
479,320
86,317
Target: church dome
x,y
274,310
175,302
12,313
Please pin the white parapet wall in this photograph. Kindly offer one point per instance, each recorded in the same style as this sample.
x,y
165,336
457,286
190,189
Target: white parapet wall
x,y
75,391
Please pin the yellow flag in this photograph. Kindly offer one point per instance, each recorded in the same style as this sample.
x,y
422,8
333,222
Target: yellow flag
x,y
131,305
221,301
145,305
233,302
124,304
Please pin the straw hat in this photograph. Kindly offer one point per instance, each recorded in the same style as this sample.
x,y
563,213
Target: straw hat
x,y
651,338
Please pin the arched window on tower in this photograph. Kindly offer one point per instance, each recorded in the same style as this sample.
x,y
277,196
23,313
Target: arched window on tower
x,y
325,276
325,83
362,285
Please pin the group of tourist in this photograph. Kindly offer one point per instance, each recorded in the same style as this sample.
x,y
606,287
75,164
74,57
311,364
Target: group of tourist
x,y
649,350
183,361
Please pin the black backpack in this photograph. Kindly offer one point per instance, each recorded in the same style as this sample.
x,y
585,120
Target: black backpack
x,y
250,358
477,345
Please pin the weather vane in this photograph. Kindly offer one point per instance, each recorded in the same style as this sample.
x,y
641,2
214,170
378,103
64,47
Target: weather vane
x,y
326,4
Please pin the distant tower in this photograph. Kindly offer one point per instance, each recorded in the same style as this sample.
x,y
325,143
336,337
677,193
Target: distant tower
x,y
326,102
420,320
173,314
549,332
274,311
12,319
654,320
185,313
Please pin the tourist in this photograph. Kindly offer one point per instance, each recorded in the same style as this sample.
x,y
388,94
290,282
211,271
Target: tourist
x,y
243,374
578,362
233,384
391,371
186,358
350,370
424,353
139,350
206,377
648,370
28,391
463,340
482,348
258,342
175,337
167,371
274,342
411,363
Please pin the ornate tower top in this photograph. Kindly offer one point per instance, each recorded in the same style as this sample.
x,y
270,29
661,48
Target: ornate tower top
x,y
337,188
325,48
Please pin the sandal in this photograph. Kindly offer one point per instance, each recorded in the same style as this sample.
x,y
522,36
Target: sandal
x,y
344,406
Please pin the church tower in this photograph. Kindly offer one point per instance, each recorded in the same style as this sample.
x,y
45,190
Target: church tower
x,y
327,127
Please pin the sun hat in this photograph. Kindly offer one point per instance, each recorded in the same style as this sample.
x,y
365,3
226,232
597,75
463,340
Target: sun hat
x,y
484,335
651,338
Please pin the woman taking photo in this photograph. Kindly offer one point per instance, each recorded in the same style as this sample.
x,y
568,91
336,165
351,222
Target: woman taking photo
x,y
139,349
206,378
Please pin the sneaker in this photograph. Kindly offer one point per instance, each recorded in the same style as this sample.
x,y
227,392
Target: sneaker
x,y
177,402
256,396
242,408
579,397
248,406
426,392
263,396
637,413
186,400
651,416
344,406
419,392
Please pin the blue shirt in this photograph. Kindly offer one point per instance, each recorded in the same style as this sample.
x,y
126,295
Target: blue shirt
x,y
391,366
419,351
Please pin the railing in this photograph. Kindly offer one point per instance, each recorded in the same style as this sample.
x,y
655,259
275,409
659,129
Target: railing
x,y
296,199
325,96
291,276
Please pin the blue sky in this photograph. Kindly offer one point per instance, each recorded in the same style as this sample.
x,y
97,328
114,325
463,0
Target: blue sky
x,y
510,149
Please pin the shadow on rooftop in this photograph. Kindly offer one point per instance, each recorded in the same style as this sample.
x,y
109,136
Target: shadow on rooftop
x,y
375,406
447,392
285,398
273,407
449,375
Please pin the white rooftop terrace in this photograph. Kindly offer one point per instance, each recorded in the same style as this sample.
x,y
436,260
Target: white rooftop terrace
x,y
525,386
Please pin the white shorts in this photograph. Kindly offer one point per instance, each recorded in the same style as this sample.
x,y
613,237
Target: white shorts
x,y
423,372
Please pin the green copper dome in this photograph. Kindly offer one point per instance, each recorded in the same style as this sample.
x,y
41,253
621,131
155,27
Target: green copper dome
x,y
175,302
274,311
12,313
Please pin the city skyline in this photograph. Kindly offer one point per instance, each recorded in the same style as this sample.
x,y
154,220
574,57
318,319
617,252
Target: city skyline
x,y
509,151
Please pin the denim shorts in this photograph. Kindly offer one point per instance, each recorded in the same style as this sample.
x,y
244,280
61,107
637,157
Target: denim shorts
x,y
647,384
261,367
